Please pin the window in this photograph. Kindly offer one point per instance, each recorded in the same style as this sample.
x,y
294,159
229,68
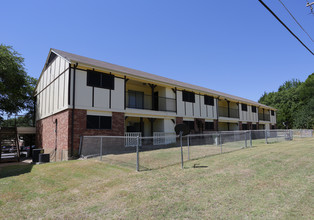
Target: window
x,y
136,99
209,126
98,122
100,80
244,107
254,126
253,108
208,100
272,112
190,124
188,96
244,127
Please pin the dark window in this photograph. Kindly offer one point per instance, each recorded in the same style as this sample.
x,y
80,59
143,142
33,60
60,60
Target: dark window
x,y
272,112
254,126
244,107
208,100
244,127
253,108
273,127
98,122
100,80
188,96
190,124
209,126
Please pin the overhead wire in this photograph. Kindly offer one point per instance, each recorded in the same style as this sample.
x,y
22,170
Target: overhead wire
x,y
284,25
295,19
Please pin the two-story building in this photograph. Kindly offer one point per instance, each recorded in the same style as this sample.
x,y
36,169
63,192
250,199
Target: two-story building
x,y
79,96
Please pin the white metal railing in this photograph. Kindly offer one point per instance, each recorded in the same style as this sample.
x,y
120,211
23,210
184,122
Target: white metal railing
x,y
130,139
163,138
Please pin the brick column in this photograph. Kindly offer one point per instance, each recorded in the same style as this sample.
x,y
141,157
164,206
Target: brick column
x,y
257,125
240,125
249,125
179,120
216,124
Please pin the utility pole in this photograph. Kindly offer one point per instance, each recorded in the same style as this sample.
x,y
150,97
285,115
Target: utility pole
x,y
310,5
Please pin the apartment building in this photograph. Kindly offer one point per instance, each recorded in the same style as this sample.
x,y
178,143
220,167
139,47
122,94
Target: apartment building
x,y
79,96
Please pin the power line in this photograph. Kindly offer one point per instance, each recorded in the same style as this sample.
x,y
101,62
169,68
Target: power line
x,y
295,19
284,25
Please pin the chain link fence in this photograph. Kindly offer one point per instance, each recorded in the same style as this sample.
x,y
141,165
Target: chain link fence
x,y
146,153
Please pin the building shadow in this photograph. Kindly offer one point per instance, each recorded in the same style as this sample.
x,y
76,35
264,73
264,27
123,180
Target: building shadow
x,y
10,168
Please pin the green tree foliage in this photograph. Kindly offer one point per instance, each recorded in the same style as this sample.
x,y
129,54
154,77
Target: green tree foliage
x,y
16,87
295,103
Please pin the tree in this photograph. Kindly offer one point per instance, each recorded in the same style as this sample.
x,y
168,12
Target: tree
x,y
295,103
16,87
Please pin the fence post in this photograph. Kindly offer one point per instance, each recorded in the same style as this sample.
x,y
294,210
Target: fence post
x,y
245,139
188,140
100,148
220,142
181,149
266,136
137,154
250,138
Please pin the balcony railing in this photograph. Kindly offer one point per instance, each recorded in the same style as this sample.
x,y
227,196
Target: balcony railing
x,y
263,117
231,113
139,100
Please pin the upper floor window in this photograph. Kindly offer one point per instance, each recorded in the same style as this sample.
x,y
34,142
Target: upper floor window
x,y
208,100
188,96
100,80
98,122
272,112
253,108
244,107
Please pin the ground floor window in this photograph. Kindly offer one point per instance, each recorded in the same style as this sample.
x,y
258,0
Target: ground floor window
x,y
98,122
190,124
244,127
209,126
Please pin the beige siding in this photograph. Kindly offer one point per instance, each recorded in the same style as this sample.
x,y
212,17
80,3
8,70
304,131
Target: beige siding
x,y
52,89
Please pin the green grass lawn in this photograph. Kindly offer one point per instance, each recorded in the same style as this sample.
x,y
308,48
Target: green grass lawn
x,y
272,181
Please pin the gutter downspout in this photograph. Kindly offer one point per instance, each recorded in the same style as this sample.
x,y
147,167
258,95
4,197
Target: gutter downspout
x,y
73,107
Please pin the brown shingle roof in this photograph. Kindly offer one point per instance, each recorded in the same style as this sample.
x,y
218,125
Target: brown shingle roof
x,y
73,58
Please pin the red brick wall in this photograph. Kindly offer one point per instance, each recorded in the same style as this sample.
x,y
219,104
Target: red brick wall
x,y
249,125
199,125
80,127
240,125
46,136
179,120
215,124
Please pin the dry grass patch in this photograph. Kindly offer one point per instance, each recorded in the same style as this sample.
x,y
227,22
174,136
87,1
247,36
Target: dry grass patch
x,y
268,182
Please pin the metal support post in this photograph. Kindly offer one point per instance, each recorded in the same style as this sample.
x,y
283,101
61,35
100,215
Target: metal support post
x,y
181,149
220,142
137,154
188,142
100,148
245,139
250,138
266,137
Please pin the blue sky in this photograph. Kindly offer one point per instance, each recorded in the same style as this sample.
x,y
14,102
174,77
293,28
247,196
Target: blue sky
x,y
235,47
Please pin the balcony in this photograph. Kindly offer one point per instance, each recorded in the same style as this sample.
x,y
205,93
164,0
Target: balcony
x,y
228,112
139,100
263,117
